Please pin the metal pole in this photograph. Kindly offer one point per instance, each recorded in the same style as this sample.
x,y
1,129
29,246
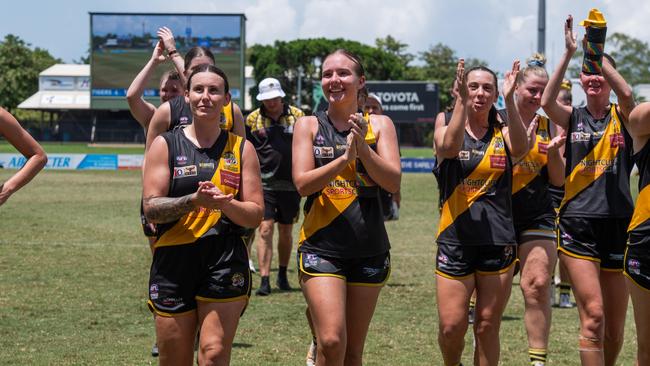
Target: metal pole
x,y
541,27
299,87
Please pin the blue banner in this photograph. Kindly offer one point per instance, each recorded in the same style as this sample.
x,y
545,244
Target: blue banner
x,y
418,165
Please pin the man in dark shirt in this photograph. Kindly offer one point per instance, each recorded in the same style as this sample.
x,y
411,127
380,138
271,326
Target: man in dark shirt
x,y
270,129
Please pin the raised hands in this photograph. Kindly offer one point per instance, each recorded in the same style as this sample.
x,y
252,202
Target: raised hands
x,y
158,55
531,131
167,38
459,89
358,131
557,142
510,81
569,37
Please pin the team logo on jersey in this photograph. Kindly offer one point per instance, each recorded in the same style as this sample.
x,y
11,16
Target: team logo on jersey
x,y
498,144
153,291
185,171
323,152
580,136
310,260
230,162
288,129
497,161
181,159
443,259
508,252
183,120
463,155
319,140
478,152
617,140
238,280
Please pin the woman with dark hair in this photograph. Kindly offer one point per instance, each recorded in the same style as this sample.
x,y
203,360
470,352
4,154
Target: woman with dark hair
x,y
20,139
637,254
340,160
176,112
597,205
476,238
202,187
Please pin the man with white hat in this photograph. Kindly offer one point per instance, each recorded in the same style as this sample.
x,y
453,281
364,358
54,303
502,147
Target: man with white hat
x,y
270,130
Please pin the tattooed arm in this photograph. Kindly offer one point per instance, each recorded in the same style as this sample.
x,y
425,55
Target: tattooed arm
x,y
160,210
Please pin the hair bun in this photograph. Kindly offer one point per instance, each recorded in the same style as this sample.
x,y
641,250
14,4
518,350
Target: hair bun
x,y
536,60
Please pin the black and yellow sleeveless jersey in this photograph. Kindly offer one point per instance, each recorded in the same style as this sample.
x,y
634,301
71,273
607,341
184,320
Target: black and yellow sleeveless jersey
x,y
181,114
344,219
190,165
476,190
272,141
531,197
598,166
639,228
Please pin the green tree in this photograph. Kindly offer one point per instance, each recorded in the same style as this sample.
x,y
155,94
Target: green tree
x,y
395,47
283,60
19,69
440,65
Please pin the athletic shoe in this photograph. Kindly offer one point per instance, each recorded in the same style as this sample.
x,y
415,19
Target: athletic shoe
x,y
538,363
283,283
154,350
565,301
311,354
265,287
251,266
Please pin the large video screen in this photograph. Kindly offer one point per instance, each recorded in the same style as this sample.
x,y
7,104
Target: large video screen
x,y
121,45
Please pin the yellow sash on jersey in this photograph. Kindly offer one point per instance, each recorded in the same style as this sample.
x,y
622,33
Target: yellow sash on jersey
x,y
194,224
364,179
337,196
596,162
524,171
227,117
641,209
484,176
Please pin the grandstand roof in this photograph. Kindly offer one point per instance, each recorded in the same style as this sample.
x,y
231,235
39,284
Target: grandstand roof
x,y
62,86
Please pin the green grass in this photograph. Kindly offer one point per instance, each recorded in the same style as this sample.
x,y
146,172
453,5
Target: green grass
x,y
416,152
79,148
73,281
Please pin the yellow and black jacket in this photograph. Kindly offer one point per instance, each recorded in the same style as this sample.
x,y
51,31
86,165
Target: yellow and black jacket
x,y
639,229
344,219
181,114
598,166
190,165
476,191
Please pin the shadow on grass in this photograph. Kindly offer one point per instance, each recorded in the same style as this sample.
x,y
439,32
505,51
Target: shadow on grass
x,y
508,318
242,345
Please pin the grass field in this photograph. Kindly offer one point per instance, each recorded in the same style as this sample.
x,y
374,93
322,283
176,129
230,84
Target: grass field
x,y
73,281
84,148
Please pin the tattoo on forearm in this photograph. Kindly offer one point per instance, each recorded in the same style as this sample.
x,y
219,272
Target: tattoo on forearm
x,y
167,209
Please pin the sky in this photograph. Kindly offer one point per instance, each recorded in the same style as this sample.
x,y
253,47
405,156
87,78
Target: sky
x,y
497,31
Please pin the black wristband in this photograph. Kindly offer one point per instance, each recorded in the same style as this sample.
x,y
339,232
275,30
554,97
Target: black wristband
x,y
172,52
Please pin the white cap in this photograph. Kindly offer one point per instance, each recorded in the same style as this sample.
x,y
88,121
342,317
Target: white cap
x,y
270,88
376,97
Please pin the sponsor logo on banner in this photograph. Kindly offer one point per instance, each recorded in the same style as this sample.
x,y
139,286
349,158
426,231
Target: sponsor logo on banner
x,y
323,152
185,171
230,179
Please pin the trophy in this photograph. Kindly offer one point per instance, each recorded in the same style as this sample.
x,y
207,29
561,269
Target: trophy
x,y
594,47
